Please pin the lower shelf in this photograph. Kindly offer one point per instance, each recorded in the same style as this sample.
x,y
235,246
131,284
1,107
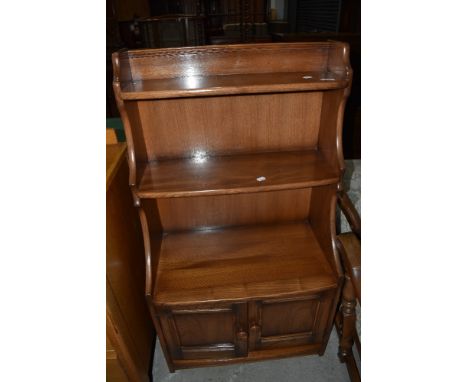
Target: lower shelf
x,y
241,263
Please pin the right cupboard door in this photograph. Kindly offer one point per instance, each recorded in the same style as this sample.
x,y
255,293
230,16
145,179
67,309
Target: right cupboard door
x,y
293,321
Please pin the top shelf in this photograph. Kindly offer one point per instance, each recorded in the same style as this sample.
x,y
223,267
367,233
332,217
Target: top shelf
x,y
231,69
211,85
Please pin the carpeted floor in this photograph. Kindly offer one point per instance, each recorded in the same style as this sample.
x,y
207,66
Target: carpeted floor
x,y
296,369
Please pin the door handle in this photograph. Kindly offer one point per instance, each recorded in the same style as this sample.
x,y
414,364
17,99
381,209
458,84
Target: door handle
x,y
254,334
241,342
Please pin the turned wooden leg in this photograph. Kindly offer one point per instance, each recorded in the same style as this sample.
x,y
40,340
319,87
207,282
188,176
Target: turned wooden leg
x,y
348,327
348,320
357,342
338,321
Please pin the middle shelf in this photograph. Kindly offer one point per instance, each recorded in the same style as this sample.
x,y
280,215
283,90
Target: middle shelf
x,y
217,175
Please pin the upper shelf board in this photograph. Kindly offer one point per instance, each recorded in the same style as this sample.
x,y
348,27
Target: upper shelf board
x,y
196,86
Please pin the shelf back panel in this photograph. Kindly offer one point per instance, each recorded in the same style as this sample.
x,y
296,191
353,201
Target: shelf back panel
x,y
227,125
230,59
177,214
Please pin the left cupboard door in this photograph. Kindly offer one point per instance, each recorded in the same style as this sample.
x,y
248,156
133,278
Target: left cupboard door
x,y
205,332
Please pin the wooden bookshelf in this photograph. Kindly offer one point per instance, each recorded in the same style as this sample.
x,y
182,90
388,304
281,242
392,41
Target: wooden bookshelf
x,y
235,161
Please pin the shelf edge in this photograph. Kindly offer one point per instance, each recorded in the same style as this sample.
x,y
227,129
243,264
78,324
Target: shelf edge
x,y
238,190
219,91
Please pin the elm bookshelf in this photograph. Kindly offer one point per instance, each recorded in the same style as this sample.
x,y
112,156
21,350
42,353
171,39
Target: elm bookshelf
x,y
235,163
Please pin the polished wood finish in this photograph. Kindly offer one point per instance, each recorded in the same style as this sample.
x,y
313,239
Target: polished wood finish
x,y
224,175
235,162
183,127
347,328
196,86
130,333
222,60
196,126
233,209
294,321
241,263
351,248
206,332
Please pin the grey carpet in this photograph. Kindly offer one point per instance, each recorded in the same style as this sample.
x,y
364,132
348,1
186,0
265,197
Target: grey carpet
x,y
326,368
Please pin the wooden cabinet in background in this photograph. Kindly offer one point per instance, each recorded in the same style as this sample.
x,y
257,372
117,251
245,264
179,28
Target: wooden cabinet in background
x,y
235,162
129,331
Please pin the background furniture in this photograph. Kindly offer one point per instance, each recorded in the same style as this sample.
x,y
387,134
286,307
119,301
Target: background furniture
x,y
349,246
129,331
227,20
235,160
172,31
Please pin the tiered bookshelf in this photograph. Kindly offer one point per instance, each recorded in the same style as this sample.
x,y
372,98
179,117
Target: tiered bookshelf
x,y
235,161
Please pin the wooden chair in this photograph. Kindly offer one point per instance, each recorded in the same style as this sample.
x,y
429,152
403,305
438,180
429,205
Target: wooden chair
x,y
349,247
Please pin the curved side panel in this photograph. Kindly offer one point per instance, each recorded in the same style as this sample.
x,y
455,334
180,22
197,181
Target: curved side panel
x,y
336,253
333,107
339,134
122,72
339,123
322,219
147,243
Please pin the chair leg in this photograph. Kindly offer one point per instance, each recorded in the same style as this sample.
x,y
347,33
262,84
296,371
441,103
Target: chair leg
x,y
348,327
357,341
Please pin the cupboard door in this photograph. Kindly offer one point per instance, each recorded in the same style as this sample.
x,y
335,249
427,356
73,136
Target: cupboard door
x,y
206,332
276,323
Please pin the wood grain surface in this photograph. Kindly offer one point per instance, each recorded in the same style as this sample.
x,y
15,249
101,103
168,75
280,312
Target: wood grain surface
x,y
223,125
129,328
199,86
241,263
235,174
234,59
235,161
202,212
